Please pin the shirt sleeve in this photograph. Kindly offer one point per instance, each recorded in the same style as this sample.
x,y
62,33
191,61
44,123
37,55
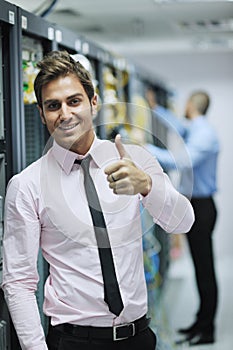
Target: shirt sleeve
x,y
20,275
200,144
169,209
165,157
167,118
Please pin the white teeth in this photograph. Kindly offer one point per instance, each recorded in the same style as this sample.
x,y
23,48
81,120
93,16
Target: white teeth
x,y
68,127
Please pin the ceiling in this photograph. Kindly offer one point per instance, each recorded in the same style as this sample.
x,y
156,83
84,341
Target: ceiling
x,y
138,29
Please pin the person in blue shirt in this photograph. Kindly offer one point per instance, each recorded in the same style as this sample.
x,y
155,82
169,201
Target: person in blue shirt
x,y
196,162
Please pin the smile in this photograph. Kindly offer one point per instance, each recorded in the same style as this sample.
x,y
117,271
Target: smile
x,y
68,127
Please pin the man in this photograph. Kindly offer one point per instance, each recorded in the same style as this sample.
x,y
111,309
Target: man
x,y
198,167
48,205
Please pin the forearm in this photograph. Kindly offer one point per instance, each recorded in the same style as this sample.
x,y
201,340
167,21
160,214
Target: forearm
x,y
23,308
169,119
165,158
170,210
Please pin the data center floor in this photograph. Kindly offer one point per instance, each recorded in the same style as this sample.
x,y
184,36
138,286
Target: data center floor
x,y
179,301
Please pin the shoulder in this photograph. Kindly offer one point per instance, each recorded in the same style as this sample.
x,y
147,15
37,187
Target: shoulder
x,y
209,129
28,178
203,132
202,126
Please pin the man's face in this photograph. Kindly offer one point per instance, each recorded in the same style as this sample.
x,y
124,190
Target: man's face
x,y
68,114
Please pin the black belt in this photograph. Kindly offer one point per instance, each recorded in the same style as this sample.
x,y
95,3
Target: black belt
x,y
118,332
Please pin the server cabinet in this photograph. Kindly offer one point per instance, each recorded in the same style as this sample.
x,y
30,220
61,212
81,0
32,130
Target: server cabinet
x,y
155,133
36,38
2,134
67,40
10,143
10,126
115,95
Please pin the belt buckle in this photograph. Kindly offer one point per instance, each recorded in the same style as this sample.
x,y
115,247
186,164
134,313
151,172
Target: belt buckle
x,y
116,338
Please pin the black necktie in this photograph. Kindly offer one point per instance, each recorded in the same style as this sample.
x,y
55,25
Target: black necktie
x,y
112,294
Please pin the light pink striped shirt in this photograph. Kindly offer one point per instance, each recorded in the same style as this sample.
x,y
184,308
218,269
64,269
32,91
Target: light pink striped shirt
x,y
46,207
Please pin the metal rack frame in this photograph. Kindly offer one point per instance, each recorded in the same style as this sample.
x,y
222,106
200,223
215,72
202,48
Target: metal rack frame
x,y
11,161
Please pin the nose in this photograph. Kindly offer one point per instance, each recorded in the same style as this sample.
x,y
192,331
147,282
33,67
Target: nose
x,y
65,112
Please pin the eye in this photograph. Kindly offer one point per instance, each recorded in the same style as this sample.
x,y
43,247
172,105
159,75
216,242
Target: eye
x,y
74,101
53,106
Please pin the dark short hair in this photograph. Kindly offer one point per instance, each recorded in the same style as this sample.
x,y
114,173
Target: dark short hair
x,y
201,100
57,64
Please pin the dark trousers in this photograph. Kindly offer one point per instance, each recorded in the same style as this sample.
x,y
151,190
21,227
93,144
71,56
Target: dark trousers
x,y
201,248
56,340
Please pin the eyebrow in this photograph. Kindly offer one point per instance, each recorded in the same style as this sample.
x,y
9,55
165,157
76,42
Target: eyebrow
x,y
52,100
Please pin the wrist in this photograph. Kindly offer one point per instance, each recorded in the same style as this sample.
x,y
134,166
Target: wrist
x,y
147,185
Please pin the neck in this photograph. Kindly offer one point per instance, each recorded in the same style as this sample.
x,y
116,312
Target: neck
x,y
194,115
84,143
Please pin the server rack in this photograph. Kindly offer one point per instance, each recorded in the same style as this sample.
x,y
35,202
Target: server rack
x,y
113,79
159,132
10,140
36,38
156,241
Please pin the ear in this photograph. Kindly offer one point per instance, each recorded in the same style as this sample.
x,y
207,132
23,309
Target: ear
x,y
94,104
41,115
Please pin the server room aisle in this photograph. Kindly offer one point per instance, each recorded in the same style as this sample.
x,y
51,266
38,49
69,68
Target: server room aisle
x,y
179,302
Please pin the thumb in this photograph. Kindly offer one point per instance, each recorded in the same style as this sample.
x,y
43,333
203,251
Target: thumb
x,y
120,147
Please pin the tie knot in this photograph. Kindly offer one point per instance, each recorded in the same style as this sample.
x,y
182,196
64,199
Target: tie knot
x,y
85,162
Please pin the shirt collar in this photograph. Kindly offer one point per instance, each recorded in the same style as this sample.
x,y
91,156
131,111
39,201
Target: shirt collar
x,y
197,119
192,123
66,157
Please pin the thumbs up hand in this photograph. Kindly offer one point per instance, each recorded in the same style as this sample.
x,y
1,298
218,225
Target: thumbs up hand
x,y
120,147
124,176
